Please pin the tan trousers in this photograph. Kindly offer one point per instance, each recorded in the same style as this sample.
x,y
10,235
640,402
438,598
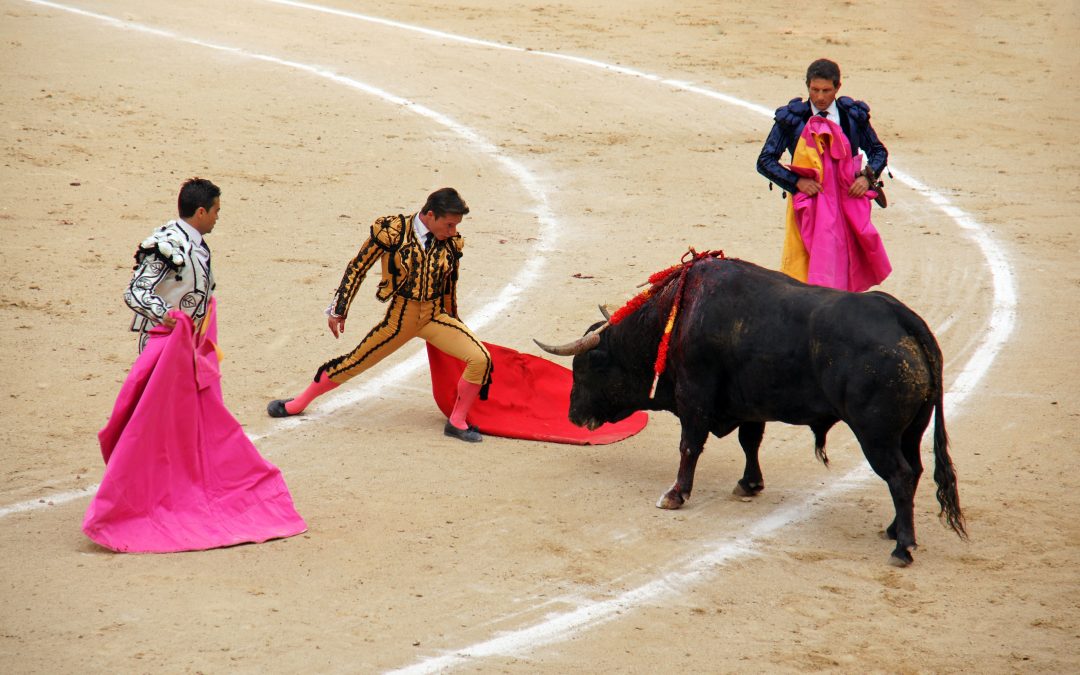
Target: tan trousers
x,y
406,319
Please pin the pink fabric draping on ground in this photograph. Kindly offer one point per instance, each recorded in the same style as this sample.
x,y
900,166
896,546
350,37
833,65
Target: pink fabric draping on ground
x,y
529,399
181,474
844,247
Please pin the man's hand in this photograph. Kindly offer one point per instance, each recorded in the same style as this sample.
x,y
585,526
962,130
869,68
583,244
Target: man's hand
x,y
809,186
336,323
168,321
859,187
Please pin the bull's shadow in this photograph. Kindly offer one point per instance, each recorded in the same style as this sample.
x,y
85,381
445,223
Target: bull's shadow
x,y
746,346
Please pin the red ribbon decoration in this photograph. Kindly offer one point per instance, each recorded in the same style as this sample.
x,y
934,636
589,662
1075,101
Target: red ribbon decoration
x,y
657,283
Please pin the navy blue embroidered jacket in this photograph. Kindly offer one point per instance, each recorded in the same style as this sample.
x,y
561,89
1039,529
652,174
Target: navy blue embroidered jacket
x,y
788,125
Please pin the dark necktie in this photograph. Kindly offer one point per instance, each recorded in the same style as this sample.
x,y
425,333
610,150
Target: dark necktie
x,y
824,113
207,248
209,274
427,240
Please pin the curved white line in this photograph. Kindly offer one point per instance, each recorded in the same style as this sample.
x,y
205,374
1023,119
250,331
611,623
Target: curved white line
x,y
1003,314
592,613
560,626
45,502
526,277
450,37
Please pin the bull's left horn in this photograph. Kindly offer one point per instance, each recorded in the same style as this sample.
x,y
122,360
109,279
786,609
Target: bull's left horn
x,y
582,344
605,312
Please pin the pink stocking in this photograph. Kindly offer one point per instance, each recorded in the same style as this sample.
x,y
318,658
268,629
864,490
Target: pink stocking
x,y
317,388
466,396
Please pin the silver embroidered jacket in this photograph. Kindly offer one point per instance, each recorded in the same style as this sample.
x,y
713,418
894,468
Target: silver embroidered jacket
x,y
168,275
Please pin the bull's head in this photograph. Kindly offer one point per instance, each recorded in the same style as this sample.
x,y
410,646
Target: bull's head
x,y
604,389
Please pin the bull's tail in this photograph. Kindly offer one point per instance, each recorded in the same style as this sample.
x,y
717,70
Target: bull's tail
x,y
944,473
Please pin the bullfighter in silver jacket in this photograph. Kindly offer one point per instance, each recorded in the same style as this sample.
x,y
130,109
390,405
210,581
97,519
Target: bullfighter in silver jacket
x,y
172,265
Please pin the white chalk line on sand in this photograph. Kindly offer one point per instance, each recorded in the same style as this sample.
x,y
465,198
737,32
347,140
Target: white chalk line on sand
x,y
592,63
525,278
559,626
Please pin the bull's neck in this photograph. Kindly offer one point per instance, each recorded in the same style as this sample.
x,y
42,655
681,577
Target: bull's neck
x,y
636,339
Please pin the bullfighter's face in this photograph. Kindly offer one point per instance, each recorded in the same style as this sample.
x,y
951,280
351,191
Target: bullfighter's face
x,y
822,92
443,227
205,219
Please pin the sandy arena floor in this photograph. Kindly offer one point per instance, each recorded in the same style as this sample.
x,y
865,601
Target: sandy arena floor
x,y
608,138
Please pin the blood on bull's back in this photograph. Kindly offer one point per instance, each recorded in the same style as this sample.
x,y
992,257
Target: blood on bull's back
x,y
745,346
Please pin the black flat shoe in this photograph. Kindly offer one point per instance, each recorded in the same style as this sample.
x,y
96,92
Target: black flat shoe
x,y
276,408
470,435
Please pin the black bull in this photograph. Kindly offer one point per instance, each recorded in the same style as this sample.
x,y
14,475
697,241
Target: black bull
x,y
752,346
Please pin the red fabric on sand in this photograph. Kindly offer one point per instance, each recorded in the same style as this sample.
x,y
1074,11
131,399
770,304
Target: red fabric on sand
x,y
529,399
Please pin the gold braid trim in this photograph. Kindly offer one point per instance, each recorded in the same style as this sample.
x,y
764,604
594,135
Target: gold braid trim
x,y
385,233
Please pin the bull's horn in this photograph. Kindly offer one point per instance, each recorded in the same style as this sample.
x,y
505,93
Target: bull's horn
x,y
607,314
582,344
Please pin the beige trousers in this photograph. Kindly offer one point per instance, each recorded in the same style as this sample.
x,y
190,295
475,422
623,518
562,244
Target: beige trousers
x,y
406,319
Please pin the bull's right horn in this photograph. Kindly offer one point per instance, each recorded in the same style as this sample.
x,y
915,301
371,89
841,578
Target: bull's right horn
x,y
582,344
605,312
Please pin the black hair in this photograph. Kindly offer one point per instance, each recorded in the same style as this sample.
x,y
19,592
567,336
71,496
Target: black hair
x,y
823,69
194,193
444,201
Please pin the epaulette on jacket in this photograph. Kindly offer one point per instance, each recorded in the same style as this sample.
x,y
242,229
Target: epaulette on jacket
x,y
388,232
457,243
166,243
857,110
793,114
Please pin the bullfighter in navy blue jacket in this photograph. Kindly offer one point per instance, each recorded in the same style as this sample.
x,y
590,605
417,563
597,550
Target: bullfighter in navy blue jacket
x,y
822,85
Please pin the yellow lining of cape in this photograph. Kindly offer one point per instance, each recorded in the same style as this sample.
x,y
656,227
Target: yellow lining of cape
x,y
204,325
794,258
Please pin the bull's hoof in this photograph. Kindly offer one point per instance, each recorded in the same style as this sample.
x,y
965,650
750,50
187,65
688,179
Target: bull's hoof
x,y
901,558
671,500
744,489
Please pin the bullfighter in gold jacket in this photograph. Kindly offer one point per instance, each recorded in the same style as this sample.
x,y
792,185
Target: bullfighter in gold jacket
x,y
419,255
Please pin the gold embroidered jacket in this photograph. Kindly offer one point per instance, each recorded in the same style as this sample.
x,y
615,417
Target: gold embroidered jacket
x,y
407,269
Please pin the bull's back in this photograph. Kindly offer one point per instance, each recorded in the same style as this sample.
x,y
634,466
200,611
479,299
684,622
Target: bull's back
x,y
749,314
806,348
747,328
870,350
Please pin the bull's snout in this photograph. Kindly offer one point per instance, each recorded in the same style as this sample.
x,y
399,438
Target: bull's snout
x,y
590,423
577,418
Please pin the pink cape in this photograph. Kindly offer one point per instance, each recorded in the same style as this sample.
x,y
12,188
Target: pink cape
x,y
845,250
529,399
181,474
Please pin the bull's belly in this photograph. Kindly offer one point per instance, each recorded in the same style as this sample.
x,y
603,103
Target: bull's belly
x,y
803,413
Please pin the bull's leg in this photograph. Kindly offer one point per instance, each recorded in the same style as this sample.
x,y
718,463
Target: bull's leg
x,y
887,461
750,435
694,434
910,446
